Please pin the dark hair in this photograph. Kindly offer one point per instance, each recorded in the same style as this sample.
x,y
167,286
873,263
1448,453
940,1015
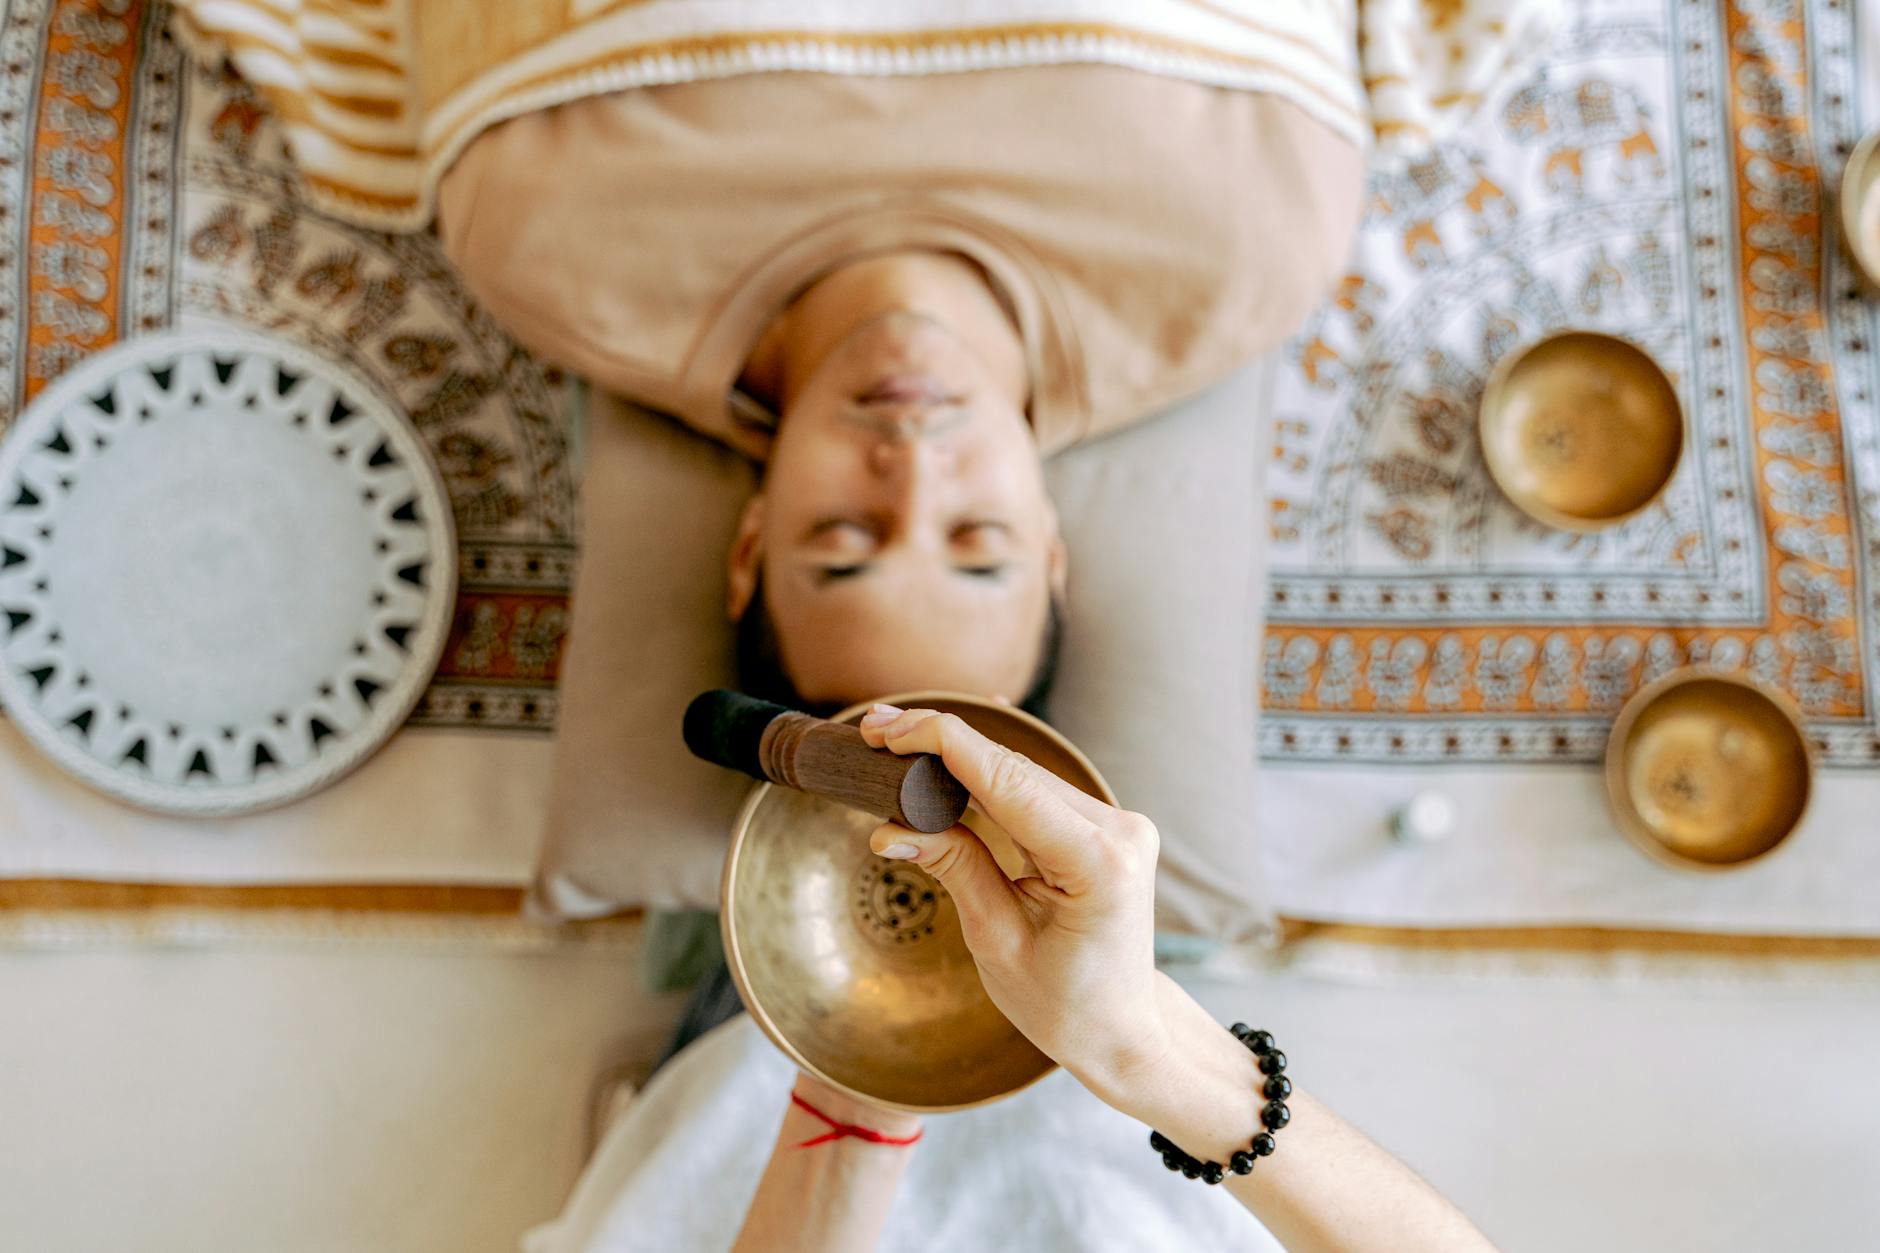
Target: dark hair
x,y
761,673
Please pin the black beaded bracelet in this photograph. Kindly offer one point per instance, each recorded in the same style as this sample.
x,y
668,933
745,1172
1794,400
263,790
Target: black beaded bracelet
x,y
1274,1116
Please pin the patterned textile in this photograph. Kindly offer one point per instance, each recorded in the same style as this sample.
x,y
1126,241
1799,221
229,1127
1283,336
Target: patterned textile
x,y
1667,174
377,99
140,191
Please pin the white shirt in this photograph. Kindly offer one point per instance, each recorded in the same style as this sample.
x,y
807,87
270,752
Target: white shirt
x,y
1051,1168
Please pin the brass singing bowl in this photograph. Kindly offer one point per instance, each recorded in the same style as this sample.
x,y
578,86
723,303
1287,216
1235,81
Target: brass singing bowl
x,y
1708,770
1581,430
1860,207
854,965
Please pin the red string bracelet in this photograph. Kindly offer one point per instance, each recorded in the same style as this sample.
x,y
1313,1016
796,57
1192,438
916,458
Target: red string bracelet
x,y
837,1130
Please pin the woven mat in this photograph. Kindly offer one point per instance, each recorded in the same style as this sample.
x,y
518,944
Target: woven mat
x,y
1668,174
139,192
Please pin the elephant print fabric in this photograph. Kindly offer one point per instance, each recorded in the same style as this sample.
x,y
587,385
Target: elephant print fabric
x,y
1665,173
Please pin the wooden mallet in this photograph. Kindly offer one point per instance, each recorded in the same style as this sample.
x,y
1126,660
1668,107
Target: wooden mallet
x,y
779,745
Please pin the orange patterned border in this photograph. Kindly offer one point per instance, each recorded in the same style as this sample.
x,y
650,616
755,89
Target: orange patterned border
x,y
506,637
1764,212
73,278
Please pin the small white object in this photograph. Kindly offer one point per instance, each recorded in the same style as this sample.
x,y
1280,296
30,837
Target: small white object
x,y
228,571
1428,816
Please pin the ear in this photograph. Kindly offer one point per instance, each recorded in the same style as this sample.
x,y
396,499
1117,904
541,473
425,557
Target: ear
x,y
745,559
1057,561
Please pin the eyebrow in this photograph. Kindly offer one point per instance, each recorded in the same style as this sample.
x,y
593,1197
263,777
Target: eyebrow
x,y
822,526
987,524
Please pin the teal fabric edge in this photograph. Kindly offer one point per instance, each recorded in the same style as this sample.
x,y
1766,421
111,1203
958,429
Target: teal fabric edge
x,y
682,947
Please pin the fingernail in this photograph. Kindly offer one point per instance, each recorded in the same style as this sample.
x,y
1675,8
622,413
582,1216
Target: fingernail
x,y
878,714
900,852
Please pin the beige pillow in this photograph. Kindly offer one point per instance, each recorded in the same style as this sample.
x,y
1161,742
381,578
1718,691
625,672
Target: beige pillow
x,y
1157,682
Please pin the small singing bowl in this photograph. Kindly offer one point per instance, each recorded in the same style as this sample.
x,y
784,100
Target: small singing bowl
x,y
1860,207
854,965
1581,430
1708,770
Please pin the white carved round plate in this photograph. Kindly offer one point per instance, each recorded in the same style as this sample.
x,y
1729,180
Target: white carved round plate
x,y
227,569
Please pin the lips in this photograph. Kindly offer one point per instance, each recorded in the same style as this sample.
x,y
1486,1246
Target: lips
x,y
906,389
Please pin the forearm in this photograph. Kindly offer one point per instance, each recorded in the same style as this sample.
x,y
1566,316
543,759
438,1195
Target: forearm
x,y
831,1196
1328,1189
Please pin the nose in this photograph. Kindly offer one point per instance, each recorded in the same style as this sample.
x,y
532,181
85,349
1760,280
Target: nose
x,y
913,473
907,454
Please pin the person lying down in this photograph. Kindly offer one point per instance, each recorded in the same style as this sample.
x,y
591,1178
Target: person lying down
x,y
899,291
900,294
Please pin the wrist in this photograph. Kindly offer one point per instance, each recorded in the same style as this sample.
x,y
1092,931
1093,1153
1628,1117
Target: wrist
x,y
1130,1065
845,1108
1190,1079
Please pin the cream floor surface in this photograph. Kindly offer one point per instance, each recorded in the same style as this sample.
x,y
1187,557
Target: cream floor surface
x,y
313,1101
368,1099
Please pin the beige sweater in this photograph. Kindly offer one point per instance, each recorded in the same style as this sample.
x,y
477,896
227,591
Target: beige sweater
x,y
1149,233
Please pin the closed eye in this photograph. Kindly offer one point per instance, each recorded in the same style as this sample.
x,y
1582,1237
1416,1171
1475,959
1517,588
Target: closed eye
x,y
982,572
832,574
